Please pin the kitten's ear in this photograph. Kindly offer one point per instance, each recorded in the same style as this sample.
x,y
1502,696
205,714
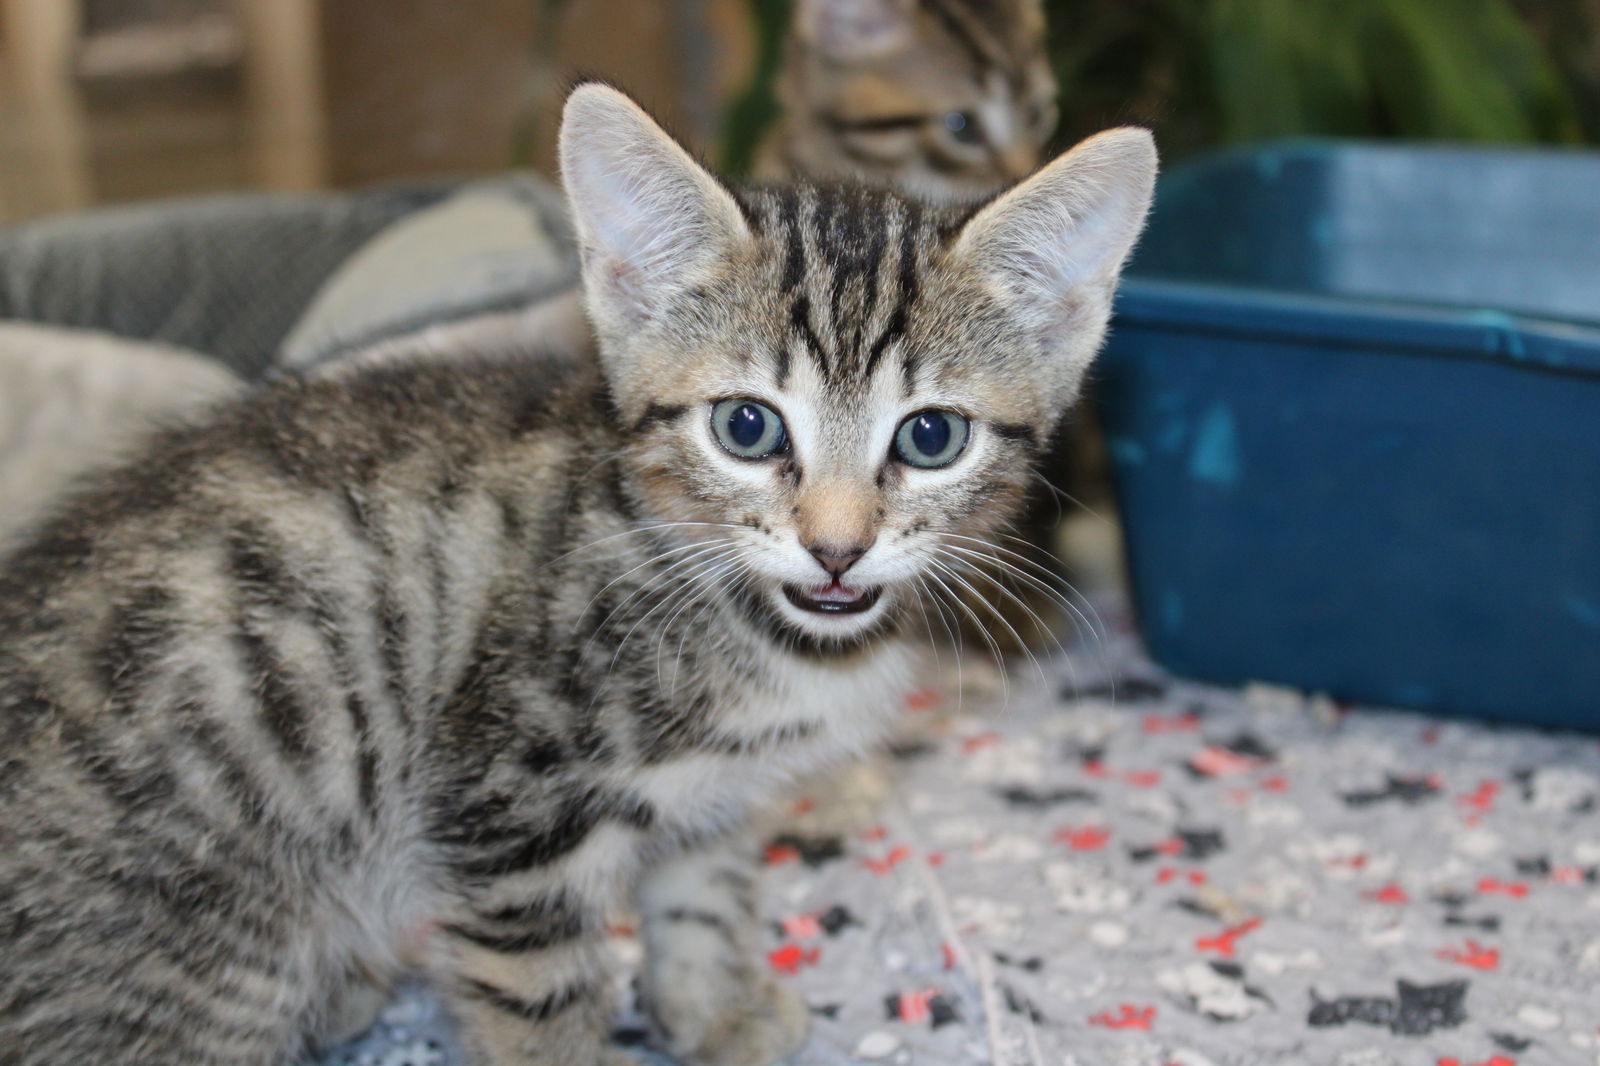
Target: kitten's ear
x,y
651,221
1052,247
852,30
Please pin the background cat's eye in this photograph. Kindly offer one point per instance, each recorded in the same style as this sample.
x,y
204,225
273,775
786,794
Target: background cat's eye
x,y
963,127
931,438
748,429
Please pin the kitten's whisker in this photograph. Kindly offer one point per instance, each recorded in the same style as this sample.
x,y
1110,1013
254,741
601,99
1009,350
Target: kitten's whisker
x,y
1057,577
681,582
739,568
1012,569
710,582
1005,571
649,586
951,571
1061,494
1090,631
953,635
1097,628
697,549
635,531
931,638
994,648
1045,573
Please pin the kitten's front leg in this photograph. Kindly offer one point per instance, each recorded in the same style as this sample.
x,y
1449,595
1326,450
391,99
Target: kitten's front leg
x,y
528,985
709,998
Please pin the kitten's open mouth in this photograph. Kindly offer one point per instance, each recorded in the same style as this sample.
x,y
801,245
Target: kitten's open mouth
x,y
833,598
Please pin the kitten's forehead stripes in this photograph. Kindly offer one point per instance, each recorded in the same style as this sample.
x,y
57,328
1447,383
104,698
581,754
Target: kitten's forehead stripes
x,y
850,297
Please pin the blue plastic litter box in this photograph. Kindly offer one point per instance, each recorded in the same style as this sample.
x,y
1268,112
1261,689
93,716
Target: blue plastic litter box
x,y
1352,400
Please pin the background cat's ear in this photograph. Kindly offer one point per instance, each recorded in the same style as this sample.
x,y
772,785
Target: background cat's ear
x,y
853,30
1052,247
651,221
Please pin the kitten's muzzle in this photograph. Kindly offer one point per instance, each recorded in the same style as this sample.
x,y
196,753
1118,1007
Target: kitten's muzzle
x,y
832,598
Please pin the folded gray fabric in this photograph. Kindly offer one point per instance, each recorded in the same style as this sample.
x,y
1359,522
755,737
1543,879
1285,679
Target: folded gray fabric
x,y
497,245
227,275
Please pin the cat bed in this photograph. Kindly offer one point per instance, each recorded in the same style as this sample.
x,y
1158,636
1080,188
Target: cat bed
x,y
227,275
493,246
258,281
1119,868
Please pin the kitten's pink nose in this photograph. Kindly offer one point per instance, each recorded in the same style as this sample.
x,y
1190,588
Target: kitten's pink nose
x,y
837,560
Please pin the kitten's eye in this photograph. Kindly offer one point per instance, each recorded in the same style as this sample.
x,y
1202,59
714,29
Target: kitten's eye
x,y
748,429
931,438
964,127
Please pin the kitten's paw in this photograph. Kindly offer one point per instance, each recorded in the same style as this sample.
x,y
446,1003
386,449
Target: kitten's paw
x,y
764,1025
355,1007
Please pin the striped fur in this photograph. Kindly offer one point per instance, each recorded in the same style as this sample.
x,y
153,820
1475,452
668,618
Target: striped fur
x,y
423,663
949,99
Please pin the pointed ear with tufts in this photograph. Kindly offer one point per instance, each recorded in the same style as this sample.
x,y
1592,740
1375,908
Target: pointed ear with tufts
x,y
651,221
1050,249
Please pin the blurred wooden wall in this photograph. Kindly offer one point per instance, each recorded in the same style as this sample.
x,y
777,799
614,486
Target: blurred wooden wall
x,y
442,86
344,93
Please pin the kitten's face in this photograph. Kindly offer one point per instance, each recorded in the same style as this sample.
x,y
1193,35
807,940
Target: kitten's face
x,y
838,392
848,484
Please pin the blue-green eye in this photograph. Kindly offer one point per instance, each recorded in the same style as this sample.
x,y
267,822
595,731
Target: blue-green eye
x,y
931,438
748,429
964,127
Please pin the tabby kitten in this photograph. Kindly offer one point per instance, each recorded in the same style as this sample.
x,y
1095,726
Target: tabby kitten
x,y
948,99
431,659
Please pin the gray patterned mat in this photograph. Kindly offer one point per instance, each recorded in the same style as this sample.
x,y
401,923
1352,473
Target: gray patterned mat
x,y
1180,875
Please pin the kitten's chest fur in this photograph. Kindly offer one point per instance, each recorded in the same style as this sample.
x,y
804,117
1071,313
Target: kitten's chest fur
x,y
815,716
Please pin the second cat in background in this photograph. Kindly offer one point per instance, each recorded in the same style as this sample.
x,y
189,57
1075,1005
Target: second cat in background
x,y
944,99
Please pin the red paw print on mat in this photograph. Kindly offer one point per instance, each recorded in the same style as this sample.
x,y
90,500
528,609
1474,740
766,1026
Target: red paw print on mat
x,y
1224,942
979,742
801,927
1497,1060
1219,762
1084,838
914,1007
792,958
1479,801
882,866
1474,954
778,854
1389,893
1127,1017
